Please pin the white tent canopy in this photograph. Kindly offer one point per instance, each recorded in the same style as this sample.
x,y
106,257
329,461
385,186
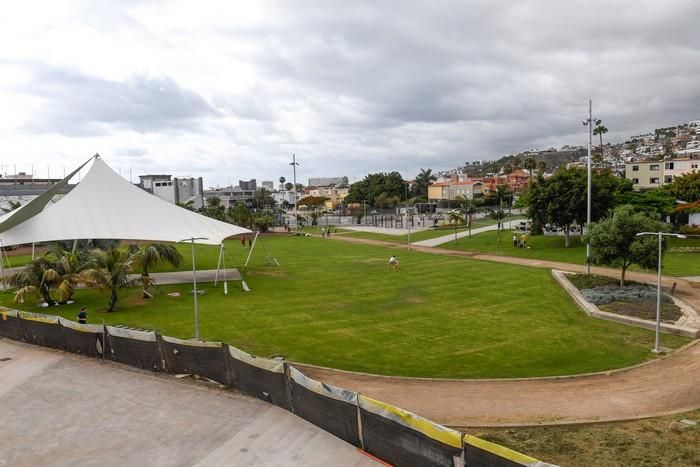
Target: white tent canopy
x,y
105,206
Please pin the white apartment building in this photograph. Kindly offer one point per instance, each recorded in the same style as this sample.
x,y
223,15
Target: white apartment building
x,y
174,190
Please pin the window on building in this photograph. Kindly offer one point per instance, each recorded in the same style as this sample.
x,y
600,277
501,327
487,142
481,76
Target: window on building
x,y
654,180
158,184
635,181
668,178
635,168
668,165
693,166
654,167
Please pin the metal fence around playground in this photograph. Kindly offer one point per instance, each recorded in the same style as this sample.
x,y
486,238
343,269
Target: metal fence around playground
x,y
389,433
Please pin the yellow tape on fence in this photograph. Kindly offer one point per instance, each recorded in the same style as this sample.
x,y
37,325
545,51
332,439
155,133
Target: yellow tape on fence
x,y
416,422
29,316
501,451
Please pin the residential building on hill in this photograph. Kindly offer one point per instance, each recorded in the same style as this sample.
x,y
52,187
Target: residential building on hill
x,y
647,175
328,181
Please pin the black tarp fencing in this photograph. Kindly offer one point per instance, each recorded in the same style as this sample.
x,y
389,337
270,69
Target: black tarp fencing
x,y
482,453
84,339
328,407
206,359
135,348
42,330
259,377
387,432
405,439
10,326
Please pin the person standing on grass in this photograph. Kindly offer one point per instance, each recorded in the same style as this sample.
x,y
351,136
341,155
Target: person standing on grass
x,y
243,242
393,263
82,315
323,232
515,240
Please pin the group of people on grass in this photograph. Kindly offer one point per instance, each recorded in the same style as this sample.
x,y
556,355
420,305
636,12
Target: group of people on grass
x,y
519,241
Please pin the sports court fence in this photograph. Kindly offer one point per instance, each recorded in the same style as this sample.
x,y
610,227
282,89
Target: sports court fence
x,y
387,432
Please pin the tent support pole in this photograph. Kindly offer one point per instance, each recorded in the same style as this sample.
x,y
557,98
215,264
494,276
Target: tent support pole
x,y
196,301
2,268
252,247
218,265
33,252
223,270
75,245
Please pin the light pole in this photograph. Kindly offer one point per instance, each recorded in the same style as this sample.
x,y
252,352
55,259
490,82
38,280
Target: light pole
x,y
658,282
294,164
589,123
194,285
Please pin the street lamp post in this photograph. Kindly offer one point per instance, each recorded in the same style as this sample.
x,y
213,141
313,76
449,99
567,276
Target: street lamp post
x,y
658,282
589,123
294,164
194,285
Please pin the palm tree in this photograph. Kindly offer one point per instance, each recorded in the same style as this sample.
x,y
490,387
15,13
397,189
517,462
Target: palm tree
x,y
455,215
498,214
530,165
423,180
111,271
151,256
469,209
600,130
35,278
59,271
541,168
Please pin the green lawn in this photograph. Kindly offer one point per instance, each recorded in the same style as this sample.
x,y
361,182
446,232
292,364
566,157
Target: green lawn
x,y
551,248
336,304
418,236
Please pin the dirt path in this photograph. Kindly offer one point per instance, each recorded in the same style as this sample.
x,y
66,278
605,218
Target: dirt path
x,y
665,386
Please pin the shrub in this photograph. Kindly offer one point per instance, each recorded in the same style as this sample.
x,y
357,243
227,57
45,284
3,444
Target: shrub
x,y
689,229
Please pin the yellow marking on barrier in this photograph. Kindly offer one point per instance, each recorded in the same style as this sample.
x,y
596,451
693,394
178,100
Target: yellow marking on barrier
x,y
499,450
437,432
27,316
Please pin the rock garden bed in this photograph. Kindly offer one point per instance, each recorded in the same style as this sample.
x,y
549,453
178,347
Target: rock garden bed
x,y
634,299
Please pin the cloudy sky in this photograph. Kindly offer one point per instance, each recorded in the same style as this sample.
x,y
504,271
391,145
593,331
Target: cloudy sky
x,y
229,90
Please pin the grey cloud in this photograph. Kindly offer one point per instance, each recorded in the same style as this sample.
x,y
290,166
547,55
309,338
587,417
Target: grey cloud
x,y
76,104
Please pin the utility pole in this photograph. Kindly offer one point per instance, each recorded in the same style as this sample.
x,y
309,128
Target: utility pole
x,y
294,164
589,123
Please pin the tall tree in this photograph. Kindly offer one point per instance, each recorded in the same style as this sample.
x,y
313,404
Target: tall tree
x,y
111,271
685,188
373,185
423,181
455,216
469,208
530,164
600,130
614,240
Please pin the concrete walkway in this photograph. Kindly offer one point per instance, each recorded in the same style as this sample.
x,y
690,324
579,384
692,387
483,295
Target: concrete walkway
x,y
184,277
383,230
61,409
431,242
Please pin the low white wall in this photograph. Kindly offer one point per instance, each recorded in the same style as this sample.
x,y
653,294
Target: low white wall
x,y
592,310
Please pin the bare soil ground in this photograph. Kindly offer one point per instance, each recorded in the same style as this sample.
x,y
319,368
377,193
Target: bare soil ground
x,y
661,441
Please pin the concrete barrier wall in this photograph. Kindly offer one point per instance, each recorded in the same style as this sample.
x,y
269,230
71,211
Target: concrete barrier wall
x,y
387,432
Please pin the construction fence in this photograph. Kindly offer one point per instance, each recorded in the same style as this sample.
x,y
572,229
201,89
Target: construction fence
x,y
389,433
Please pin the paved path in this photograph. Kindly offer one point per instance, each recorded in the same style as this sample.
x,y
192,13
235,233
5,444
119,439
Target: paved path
x,y
668,385
184,277
451,237
63,410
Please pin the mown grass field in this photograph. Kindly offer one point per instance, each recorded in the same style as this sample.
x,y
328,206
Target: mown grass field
x,y
552,248
336,304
